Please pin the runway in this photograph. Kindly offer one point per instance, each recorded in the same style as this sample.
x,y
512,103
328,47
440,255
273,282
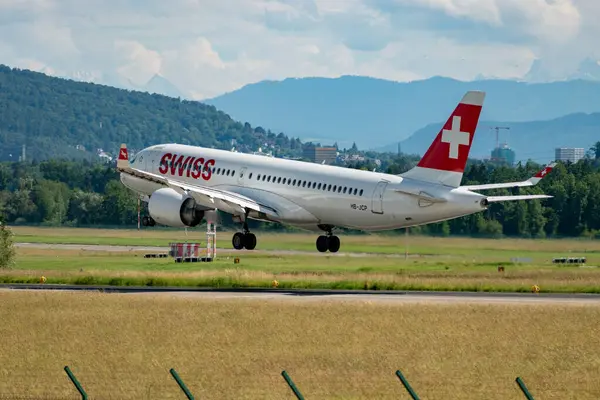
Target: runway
x,y
325,295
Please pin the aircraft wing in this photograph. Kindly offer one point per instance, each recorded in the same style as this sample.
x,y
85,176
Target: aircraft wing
x,y
534,180
209,197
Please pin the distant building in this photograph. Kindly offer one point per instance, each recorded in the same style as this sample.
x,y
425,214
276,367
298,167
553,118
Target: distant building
x,y
12,153
504,155
320,154
569,154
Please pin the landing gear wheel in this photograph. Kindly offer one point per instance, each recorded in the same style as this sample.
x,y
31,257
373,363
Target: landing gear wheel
x,y
334,244
249,241
322,243
148,221
238,241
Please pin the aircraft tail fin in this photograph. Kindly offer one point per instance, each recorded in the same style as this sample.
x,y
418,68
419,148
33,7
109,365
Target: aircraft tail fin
x,y
123,160
445,160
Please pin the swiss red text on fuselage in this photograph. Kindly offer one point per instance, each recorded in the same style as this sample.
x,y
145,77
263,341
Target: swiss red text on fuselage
x,y
188,166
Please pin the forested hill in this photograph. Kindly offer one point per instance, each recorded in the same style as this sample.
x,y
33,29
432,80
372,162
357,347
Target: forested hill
x,y
56,117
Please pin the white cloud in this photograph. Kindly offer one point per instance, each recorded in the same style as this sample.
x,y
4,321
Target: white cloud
x,y
432,56
208,47
481,10
141,64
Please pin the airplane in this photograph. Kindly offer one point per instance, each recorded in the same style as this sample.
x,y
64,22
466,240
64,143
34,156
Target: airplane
x,y
185,184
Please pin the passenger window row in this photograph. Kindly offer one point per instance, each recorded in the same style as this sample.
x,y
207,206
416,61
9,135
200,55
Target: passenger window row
x,y
283,181
308,184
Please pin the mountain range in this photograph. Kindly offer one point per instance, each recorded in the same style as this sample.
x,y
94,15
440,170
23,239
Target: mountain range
x,y
375,112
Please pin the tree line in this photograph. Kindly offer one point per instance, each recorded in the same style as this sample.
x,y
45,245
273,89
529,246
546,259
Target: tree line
x,y
85,193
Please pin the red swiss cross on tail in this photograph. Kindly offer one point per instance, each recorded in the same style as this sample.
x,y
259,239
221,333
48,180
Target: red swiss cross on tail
x,y
450,149
445,160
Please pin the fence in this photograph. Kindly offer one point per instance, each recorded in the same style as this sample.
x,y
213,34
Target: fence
x,y
296,391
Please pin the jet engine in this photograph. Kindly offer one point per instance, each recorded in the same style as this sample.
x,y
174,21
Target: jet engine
x,y
168,207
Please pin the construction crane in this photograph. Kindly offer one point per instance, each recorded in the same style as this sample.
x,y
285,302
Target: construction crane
x,y
497,129
497,148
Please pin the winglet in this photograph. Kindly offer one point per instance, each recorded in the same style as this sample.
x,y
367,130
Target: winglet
x,y
123,160
541,174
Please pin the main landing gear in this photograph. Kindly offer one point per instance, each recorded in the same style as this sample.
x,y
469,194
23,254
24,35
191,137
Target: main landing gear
x,y
244,239
148,221
328,242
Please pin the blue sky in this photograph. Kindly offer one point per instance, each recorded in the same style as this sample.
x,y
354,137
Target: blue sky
x,y
208,47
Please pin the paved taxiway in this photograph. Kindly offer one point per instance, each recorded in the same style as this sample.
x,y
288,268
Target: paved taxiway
x,y
321,295
156,249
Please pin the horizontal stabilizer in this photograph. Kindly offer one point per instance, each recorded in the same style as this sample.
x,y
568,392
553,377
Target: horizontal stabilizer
x,y
497,199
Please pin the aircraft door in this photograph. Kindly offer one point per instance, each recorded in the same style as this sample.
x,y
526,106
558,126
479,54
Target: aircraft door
x,y
242,176
139,160
151,166
377,200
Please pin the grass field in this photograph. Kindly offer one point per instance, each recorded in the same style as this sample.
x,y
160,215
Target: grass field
x,y
433,263
384,244
122,346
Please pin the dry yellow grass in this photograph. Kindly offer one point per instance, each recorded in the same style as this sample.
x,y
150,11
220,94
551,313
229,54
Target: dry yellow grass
x,y
122,346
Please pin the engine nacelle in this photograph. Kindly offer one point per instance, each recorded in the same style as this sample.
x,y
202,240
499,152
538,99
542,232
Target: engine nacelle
x,y
168,207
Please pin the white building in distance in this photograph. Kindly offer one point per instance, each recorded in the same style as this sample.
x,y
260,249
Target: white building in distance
x,y
569,154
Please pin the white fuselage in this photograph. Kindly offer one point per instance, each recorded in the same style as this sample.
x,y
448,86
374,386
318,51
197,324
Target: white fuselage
x,y
306,194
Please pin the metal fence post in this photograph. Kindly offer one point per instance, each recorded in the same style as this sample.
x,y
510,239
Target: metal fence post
x,y
407,385
524,388
181,384
291,384
76,383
